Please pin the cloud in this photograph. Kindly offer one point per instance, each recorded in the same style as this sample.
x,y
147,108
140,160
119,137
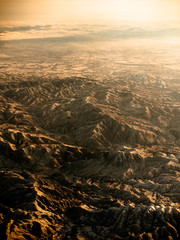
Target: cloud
x,y
126,33
23,28
84,33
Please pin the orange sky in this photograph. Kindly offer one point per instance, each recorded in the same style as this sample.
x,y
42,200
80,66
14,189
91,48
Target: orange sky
x,y
90,11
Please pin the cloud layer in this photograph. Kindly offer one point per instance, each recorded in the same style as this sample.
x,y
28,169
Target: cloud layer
x,y
81,33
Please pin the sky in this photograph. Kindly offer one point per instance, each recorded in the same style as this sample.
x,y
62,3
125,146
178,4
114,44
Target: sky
x,y
89,11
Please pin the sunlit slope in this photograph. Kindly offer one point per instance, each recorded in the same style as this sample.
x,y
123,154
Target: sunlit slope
x,y
92,159
138,110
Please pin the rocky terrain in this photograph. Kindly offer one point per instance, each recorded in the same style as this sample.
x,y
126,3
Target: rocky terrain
x,y
90,159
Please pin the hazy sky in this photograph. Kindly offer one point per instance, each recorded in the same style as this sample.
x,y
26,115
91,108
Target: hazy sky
x,y
89,11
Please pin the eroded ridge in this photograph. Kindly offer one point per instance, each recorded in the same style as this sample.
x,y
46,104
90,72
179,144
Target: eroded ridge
x,y
88,159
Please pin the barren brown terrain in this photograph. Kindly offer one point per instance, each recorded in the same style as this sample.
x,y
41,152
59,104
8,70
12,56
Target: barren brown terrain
x,y
89,152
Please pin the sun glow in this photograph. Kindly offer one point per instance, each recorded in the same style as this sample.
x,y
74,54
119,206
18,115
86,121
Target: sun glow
x,y
90,10
115,10
131,10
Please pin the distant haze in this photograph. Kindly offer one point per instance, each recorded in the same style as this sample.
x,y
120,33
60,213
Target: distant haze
x,y
89,11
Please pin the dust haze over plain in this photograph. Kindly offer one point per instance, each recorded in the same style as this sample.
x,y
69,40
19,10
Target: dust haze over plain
x,y
89,119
